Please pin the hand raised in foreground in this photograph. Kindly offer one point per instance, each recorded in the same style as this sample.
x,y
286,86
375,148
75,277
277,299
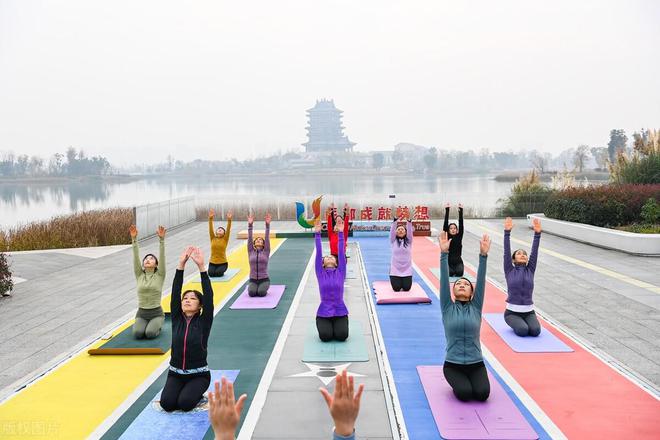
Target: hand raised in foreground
x,y
444,241
344,404
224,410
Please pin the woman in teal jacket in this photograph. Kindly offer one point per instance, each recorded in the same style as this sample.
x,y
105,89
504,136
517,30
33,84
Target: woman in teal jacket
x,y
464,366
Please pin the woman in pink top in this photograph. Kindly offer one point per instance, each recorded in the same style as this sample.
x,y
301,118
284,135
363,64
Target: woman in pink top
x,y
401,240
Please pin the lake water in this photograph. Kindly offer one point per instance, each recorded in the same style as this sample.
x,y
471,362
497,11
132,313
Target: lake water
x,y
22,203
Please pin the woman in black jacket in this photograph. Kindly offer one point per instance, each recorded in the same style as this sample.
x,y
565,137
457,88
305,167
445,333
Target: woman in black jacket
x,y
192,316
455,233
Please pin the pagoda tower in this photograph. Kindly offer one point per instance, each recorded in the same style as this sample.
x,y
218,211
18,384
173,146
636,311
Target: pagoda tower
x,y
325,132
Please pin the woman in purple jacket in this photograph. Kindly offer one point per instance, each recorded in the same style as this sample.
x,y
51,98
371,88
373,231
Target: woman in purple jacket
x,y
401,240
258,255
519,272
332,314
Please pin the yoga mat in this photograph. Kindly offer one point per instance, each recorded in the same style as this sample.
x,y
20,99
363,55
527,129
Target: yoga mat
x,y
229,274
436,272
546,342
498,418
125,344
353,349
270,301
385,294
154,423
351,274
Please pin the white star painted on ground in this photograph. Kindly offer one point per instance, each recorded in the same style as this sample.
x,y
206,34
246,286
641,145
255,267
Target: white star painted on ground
x,y
325,373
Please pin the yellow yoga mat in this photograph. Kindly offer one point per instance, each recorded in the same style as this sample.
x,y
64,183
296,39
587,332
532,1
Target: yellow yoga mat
x,y
71,401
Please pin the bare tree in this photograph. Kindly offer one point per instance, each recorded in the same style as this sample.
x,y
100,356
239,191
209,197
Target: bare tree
x,y
580,157
539,161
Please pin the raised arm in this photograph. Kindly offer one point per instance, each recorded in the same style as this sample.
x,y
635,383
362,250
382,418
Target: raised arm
x,y
445,225
175,296
445,292
341,249
460,221
162,264
267,236
228,229
508,262
137,264
409,231
480,289
250,241
395,222
534,254
211,231
318,260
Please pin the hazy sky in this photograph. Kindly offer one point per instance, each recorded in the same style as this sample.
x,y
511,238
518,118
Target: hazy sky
x,y
218,79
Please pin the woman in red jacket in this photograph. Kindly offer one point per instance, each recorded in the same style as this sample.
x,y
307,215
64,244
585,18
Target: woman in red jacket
x,y
332,235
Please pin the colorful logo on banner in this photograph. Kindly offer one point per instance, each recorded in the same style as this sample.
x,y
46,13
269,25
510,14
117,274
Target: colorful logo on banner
x,y
300,213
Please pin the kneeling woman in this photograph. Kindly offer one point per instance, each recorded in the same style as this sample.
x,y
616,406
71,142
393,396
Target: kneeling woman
x,y
258,256
401,239
150,278
332,314
218,263
192,316
464,366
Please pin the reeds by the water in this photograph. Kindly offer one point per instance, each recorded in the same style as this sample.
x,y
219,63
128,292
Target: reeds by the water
x,y
91,228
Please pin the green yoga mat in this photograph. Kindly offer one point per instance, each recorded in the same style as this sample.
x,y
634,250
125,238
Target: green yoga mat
x,y
124,343
354,349
436,271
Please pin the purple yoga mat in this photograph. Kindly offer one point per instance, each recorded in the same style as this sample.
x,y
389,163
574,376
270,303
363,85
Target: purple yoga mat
x,y
270,301
546,342
498,418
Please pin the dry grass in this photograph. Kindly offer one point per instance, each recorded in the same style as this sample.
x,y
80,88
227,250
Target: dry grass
x,y
92,228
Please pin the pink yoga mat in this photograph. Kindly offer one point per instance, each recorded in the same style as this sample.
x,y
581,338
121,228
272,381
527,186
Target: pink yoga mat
x,y
385,294
270,301
498,418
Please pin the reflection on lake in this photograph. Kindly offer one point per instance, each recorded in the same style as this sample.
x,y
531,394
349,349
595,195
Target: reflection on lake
x,y
21,203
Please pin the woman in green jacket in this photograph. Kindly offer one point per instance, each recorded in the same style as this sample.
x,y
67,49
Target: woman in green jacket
x,y
464,366
150,276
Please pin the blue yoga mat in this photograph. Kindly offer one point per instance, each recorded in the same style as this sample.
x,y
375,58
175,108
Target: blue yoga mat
x,y
154,423
229,274
353,349
546,342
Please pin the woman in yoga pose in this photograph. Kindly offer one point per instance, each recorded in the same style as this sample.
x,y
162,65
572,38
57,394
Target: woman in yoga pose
x,y
258,255
150,278
333,239
332,314
519,272
456,235
401,240
464,367
218,263
189,376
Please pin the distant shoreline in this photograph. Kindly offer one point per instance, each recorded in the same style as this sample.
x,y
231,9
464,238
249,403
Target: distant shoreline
x,y
114,178
547,177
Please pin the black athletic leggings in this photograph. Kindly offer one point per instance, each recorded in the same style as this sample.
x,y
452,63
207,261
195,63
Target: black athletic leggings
x,y
258,287
469,382
184,391
523,323
335,328
401,283
217,270
456,268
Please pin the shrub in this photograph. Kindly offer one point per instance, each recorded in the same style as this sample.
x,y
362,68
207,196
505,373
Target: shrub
x,y
643,165
6,283
528,195
607,205
651,211
91,228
